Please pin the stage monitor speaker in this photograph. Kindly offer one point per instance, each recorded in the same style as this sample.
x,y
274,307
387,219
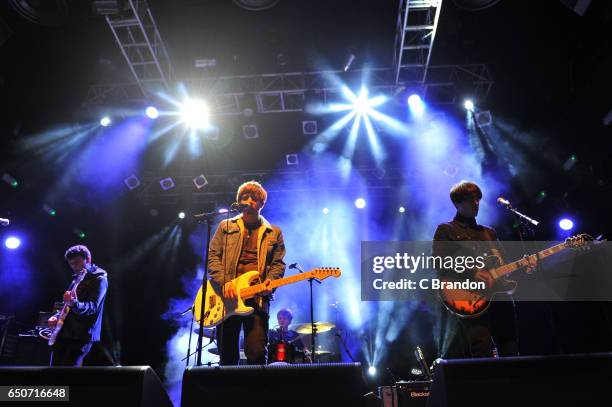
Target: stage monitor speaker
x,y
325,384
94,386
568,380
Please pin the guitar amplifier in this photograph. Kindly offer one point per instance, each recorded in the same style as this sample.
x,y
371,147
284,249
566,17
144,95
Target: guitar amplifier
x,y
405,394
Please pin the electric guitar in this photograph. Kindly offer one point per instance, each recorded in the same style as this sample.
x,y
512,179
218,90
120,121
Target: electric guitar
x,y
217,309
467,303
65,310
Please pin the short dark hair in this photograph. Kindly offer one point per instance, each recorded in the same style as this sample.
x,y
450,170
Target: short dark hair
x,y
463,190
286,312
78,250
255,189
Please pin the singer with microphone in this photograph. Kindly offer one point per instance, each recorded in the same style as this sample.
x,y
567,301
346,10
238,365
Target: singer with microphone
x,y
494,332
244,243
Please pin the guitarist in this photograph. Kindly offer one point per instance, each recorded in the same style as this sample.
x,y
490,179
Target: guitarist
x,y
245,243
493,333
84,320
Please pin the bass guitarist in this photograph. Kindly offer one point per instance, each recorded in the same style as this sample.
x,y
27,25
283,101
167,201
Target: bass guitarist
x,y
245,243
494,332
84,305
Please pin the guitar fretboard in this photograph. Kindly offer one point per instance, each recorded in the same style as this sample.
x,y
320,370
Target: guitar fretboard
x,y
515,265
257,288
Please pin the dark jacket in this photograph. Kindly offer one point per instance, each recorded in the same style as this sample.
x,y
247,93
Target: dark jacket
x,y
226,246
471,239
84,321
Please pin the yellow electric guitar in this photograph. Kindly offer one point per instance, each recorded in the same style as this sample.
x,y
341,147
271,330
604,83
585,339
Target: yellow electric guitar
x,y
217,309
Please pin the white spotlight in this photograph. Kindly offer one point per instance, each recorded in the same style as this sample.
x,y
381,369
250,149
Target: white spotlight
x,y
325,211
372,370
402,209
105,121
469,105
152,112
416,105
360,203
181,215
194,113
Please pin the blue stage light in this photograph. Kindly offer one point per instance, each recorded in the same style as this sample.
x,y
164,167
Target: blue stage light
x,y
12,242
152,112
360,203
566,224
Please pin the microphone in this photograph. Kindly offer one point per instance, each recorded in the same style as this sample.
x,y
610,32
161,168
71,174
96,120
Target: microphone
x,y
503,201
239,206
4,222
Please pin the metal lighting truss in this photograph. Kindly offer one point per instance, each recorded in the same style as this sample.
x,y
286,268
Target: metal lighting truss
x,y
417,22
221,187
138,38
293,91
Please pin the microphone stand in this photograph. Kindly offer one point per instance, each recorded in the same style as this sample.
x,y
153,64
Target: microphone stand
x,y
520,220
313,326
205,218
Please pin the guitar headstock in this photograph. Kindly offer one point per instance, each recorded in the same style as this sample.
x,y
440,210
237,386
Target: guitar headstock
x,y
321,273
580,241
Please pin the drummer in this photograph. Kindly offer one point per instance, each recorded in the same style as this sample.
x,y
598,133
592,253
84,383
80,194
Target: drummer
x,y
282,334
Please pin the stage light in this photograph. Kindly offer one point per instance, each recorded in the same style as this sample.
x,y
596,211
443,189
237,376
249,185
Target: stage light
x,y
250,131
469,105
152,112
166,183
49,210
194,113
105,121
483,119
360,203
223,210
401,209
566,224
292,159
181,215
132,182
309,127
12,242
570,162
325,211
200,181
372,370
416,105
79,233
10,180
349,62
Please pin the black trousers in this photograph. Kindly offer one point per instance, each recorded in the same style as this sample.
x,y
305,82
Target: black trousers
x,y
69,352
255,338
493,333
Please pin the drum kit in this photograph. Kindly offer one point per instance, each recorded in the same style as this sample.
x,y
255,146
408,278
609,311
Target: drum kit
x,y
284,352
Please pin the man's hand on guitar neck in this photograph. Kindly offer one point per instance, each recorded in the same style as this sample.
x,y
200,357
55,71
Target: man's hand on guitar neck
x,y
52,322
484,275
70,298
268,290
530,263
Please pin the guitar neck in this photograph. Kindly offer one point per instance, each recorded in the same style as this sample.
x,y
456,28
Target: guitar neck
x,y
257,288
515,265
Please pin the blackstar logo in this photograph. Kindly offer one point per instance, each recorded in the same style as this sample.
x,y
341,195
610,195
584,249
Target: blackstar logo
x,y
419,394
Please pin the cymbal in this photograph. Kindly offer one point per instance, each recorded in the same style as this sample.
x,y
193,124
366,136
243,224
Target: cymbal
x,y
215,351
207,333
306,329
